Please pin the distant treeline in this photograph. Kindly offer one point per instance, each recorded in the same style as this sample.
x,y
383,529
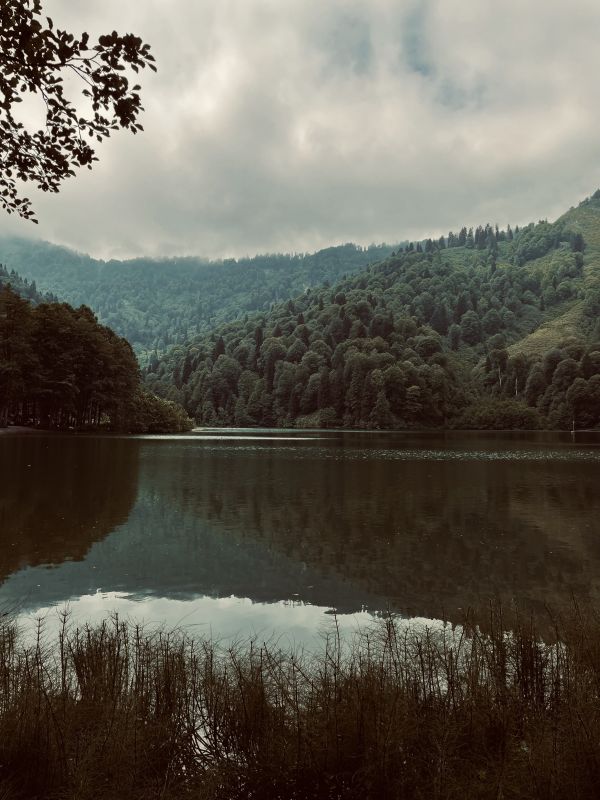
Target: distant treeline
x,y
23,287
157,303
418,340
60,369
534,241
426,337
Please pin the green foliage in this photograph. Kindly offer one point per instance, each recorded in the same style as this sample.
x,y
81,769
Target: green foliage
x,y
535,241
156,304
151,414
470,328
23,287
562,387
37,57
592,302
498,414
352,356
60,369
388,347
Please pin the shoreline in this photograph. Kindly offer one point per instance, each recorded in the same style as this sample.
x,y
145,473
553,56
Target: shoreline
x,y
16,429
22,429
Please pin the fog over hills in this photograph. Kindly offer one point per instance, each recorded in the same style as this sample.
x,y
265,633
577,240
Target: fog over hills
x,y
484,327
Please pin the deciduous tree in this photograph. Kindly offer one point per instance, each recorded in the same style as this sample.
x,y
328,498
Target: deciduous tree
x,y
36,58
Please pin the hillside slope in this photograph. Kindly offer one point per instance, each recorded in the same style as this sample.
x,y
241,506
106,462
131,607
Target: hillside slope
x,y
24,288
571,319
155,304
462,331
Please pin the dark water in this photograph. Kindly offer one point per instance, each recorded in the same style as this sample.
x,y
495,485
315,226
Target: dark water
x,y
253,532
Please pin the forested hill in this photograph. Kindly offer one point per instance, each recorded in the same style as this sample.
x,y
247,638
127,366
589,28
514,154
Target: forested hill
x,y
155,304
60,369
23,287
483,328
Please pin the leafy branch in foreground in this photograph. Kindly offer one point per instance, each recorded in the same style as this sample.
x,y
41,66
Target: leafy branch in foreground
x,y
37,58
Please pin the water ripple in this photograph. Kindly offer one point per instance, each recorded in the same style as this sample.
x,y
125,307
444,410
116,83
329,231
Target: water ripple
x,y
543,454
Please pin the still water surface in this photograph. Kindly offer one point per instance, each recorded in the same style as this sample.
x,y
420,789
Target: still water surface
x,y
235,533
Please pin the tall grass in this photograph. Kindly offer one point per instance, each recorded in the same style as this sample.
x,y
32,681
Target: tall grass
x,y
480,711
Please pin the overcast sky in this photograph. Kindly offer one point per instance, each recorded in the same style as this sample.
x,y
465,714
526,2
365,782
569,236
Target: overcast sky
x,y
288,125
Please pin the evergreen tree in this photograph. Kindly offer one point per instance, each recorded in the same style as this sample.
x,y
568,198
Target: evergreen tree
x,y
381,417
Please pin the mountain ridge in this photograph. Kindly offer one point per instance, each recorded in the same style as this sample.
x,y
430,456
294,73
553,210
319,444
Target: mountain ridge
x,y
156,303
482,328
448,332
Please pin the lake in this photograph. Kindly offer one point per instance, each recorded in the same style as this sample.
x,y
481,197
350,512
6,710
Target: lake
x,y
267,533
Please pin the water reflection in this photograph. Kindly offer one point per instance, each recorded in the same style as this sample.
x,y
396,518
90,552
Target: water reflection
x,y
423,533
60,494
284,623
424,524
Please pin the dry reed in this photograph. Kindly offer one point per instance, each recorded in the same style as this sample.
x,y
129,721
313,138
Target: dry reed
x,y
476,711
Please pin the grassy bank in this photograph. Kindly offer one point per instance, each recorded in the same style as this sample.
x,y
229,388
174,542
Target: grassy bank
x,y
116,712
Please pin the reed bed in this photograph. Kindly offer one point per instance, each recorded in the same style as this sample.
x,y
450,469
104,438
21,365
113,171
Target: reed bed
x,y
484,710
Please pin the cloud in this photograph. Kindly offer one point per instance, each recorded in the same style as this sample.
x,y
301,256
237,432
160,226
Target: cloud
x,y
278,126
415,38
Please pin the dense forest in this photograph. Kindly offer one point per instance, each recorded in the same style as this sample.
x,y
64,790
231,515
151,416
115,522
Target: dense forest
x,y
483,328
23,287
156,304
440,333
60,369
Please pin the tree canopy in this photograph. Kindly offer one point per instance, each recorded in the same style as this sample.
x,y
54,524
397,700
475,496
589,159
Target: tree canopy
x,y
419,340
157,303
36,57
60,369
